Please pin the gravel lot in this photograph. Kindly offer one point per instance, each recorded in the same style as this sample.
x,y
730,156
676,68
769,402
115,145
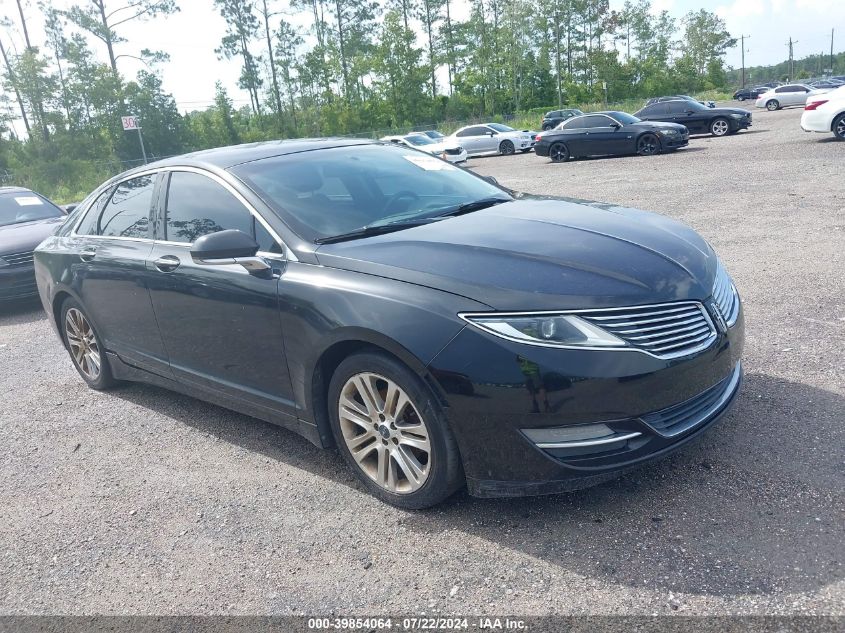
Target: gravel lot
x,y
144,501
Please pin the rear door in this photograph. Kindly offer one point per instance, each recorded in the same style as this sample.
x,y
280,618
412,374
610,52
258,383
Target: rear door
x,y
110,274
220,324
792,94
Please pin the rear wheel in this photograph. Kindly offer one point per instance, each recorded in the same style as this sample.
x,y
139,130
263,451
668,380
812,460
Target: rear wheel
x,y
506,148
392,432
559,153
838,127
772,105
84,347
648,145
740,98
719,127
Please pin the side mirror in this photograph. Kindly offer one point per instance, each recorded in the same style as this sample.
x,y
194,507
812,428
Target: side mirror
x,y
492,180
615,125
228,247
491,133
69,208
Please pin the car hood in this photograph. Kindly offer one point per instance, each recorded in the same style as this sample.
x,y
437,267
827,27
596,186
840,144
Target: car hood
x,y
24,237
439,148
727,111
542,254
658,125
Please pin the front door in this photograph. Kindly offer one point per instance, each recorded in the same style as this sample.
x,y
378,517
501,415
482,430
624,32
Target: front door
x,y
110,274
220,324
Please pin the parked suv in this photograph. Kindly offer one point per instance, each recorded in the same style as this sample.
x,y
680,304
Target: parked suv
x,y
554,118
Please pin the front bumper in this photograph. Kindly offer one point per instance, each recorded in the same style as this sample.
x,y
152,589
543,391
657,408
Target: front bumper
x,y
494,404
17,282
458,157
674,141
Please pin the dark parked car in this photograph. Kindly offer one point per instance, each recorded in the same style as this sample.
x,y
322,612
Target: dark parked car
x,y
609,133
697,118
556,117
822,84
435,328
744,94
26,218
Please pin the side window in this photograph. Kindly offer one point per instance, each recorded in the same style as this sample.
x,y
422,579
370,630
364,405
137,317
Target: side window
x,y
466,132
596,120
573,124
88,225
197,206
127,214
678,107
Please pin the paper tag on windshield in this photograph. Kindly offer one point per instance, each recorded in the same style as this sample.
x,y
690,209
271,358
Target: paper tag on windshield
x,y
29,201
429,163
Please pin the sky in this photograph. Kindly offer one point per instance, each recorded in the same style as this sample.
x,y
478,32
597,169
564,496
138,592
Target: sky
x,y
191,36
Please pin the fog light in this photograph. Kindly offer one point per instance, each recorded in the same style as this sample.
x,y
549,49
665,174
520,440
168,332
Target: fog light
x,y
577,436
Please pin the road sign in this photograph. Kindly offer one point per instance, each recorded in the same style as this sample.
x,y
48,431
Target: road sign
x,y
129,122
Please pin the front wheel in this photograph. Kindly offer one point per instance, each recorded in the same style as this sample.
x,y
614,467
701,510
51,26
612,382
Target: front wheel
x,y
506,148
84,347
740,98
392,432
719,127
648,145
559,153
772,105
838,127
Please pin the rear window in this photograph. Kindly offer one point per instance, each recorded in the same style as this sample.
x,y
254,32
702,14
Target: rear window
x,y
26,206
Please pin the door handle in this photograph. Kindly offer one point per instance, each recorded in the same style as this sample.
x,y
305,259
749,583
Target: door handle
x,y
88,253
167,263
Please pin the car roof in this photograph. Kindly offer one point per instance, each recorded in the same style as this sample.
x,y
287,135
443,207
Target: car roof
x,y
11,190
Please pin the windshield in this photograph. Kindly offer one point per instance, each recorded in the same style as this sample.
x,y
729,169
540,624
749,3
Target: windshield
x,y
26,206
624,118
419,139
500,128
330,192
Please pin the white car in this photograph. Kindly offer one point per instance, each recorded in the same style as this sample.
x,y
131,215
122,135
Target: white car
x,y
825,113
789,95
493,138
445,149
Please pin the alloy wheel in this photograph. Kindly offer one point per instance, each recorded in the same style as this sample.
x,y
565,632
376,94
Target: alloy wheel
x,y
772,105
384,432
647,145
719,127
507,148
839,128
83,344
558,153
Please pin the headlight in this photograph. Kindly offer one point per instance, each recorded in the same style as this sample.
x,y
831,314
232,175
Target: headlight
x,y
670,132
551,330
737,116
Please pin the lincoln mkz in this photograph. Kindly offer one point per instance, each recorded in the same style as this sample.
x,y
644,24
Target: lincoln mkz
x,y
439,330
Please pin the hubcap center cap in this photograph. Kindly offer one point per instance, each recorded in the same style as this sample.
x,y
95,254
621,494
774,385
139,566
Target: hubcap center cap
x,y
384,431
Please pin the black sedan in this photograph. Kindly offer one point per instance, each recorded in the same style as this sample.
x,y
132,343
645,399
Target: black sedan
x,y
555,117
750,94
26,218
439,330
608,134
697,118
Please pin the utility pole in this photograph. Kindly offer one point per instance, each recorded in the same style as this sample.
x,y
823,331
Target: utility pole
x,y
831,51
791,60
742,40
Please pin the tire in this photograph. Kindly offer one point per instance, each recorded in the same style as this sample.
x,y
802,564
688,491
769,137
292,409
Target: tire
x,y
772,105
83,344
720,126
648,145
740,98
407,455
506,148
559,152
838,128
547,127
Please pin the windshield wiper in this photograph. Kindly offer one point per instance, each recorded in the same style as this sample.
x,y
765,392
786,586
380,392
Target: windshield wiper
x,y
469,207
375,229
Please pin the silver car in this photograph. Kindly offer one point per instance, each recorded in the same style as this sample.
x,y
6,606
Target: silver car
x,y
785,96
493,138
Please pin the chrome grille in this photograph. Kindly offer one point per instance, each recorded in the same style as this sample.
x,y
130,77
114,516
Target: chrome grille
x,y
667,330
725,296
18,259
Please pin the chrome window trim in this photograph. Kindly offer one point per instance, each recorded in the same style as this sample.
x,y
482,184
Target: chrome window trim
x,y
585,443
286,253
703,345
